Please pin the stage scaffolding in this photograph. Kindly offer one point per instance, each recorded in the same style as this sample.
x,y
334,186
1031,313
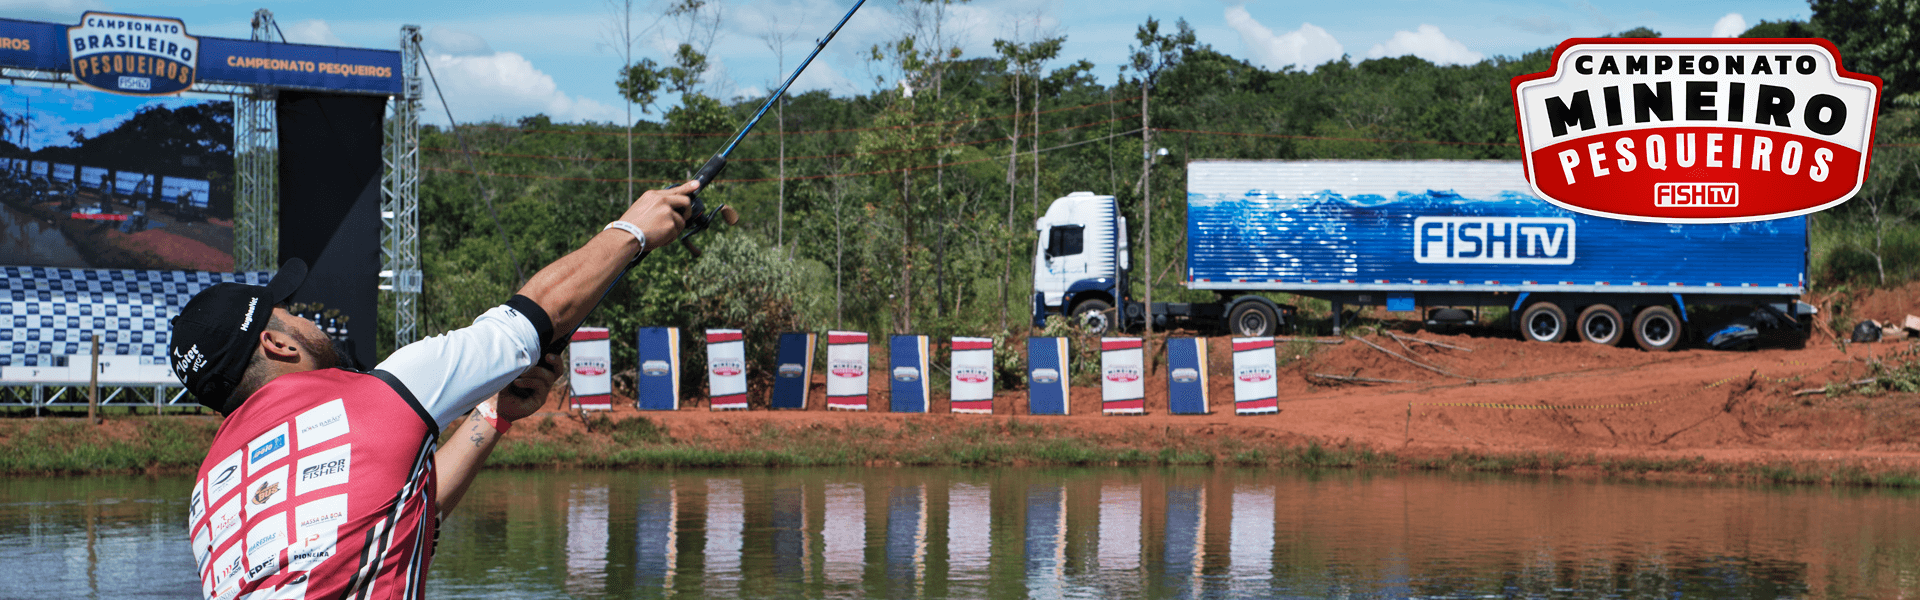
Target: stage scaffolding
x,y
256,211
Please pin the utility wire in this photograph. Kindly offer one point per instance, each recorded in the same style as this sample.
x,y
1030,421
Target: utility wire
x,y
486,195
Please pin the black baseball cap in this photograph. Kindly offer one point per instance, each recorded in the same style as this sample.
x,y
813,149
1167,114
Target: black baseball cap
x,y
215,334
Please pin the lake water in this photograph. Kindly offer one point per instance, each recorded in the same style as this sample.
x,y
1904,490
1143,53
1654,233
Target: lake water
x,y
1045,533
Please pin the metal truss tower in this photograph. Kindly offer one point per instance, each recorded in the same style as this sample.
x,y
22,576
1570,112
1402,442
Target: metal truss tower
x,y
400,194
256,244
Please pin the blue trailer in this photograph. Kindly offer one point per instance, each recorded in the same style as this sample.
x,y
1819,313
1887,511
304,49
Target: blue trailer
x,y
1441,237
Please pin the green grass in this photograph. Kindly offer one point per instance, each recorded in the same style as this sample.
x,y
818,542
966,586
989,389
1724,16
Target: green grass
x,y
58,446
63,446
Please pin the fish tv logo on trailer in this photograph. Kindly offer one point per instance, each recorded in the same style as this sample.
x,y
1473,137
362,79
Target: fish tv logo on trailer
x,y
1493,240
1696,130
128,54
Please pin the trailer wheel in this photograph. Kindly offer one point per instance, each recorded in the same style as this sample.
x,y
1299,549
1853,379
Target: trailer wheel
x,y
1543,322
1656,329
1601,324
1252,319
1095,316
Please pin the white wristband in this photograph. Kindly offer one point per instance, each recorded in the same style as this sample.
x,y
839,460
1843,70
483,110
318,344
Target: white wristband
x,y
630,228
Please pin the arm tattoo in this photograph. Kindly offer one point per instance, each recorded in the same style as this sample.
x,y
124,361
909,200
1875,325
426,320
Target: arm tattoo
x,y
477,438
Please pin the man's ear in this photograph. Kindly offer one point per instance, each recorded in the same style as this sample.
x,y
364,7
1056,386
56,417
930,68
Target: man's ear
x,y
280,345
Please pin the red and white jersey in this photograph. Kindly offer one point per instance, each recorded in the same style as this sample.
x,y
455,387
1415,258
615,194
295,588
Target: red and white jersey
x,y
322,484
334,500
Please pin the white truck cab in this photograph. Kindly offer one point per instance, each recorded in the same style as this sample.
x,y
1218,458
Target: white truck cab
x,y
1080,263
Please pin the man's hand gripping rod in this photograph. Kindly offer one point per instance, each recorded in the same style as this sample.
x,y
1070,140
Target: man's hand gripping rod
x,y
698,218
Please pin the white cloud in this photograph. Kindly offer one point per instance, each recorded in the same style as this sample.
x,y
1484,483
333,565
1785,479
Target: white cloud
x,y
1731,25
507,85
57,11
312,31
1306,47
447,40
1429,43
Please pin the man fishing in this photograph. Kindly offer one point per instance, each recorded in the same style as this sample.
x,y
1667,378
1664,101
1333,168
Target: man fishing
x,y
329,483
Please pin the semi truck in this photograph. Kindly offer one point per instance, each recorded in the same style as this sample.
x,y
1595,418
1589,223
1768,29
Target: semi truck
x,y
1442,238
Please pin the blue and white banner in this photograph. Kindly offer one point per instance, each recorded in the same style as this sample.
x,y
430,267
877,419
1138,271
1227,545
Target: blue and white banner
x,y
793,371
155,56
1187,376
658,386
907,374
726,370
1047,389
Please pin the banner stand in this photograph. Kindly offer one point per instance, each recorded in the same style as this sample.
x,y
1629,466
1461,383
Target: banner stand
x,y
726,370
1254,390
846,370
910,390
972,382
588,373
1123,389
658,385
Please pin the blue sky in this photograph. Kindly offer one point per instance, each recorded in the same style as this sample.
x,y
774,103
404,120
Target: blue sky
x,y
58,111
507,59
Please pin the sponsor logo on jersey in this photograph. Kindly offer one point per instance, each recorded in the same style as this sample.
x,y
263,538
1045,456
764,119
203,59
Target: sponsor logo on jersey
x,y
264,543
324,469
265,491
226,520
197,505
229,568
224,476
1046,376
655,368
202,548
321,423
266,449
320,515
312,549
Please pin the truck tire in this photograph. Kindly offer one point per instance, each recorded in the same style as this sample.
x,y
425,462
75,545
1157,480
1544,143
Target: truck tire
x,y
1095,316
1656,329
1543,322
1601,324
1252,319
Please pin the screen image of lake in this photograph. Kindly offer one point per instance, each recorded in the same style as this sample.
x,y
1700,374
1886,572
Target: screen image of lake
x,y
1105,532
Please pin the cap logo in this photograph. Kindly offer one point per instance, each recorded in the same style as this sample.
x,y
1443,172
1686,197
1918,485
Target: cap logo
x,y
190,362
251,304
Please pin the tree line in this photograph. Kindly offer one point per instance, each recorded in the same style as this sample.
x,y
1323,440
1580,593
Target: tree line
x,y
910,208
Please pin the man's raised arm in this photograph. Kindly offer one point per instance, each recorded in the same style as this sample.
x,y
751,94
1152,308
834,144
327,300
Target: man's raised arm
x,y
568,288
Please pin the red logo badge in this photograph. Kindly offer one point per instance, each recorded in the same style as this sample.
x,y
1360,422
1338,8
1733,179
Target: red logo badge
x,y
1685,130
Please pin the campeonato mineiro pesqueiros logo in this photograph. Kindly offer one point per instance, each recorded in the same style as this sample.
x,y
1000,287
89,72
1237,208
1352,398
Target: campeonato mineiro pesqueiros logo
x,y
129,54
1686,130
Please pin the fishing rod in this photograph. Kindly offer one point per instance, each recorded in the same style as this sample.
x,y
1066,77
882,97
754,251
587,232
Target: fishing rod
x,y
698,218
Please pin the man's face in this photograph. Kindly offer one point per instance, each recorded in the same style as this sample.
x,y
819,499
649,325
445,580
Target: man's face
x,y
311,337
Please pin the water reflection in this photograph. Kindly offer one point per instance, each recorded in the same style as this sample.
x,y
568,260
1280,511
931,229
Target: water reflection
x,y
1046,533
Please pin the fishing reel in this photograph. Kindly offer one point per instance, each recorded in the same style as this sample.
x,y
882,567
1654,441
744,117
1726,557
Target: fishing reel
x,y
698,218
